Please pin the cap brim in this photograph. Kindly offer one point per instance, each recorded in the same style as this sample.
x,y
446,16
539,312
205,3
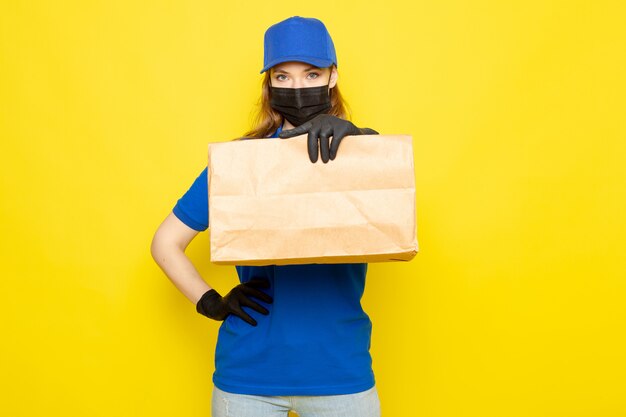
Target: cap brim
x,y
318,62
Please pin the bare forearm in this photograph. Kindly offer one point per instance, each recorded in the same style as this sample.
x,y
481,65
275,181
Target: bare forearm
x,y
180,270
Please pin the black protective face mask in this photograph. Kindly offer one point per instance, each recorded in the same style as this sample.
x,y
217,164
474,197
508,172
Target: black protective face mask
x,y
299,105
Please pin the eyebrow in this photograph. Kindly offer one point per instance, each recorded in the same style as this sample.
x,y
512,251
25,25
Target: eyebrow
x,y
282,71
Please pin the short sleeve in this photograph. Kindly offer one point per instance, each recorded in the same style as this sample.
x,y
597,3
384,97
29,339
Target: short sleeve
x,y
193,207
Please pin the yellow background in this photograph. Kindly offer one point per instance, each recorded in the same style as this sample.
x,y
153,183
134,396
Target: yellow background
x,y
516,303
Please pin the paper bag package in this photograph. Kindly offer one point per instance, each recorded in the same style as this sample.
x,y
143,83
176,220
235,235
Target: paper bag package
x,y
269,205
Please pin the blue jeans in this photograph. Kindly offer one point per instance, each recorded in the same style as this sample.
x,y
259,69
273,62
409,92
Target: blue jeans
x,y
361,404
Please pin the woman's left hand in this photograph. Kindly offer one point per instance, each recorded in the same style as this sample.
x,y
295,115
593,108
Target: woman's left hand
x,y
320,129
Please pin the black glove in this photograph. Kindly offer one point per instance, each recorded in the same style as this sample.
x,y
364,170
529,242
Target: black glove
x,y
320,129
216,307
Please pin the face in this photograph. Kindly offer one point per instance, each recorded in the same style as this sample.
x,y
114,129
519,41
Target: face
x,y
301,75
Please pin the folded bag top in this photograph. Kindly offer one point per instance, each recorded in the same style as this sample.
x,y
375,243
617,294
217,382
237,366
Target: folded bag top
x,y
269,205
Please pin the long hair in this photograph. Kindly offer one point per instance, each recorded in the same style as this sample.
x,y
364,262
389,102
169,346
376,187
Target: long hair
x,y
267,120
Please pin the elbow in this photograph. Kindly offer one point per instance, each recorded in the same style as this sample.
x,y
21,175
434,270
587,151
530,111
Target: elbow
x,y
163,246
156,247
171,237
153,247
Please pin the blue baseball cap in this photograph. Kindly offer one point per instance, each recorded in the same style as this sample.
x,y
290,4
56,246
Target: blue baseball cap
x,y
300,39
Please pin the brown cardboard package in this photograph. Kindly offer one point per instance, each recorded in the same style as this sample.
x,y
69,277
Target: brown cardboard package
x,y
269,205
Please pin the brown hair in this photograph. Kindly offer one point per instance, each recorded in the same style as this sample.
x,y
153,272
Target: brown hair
x,y
267,120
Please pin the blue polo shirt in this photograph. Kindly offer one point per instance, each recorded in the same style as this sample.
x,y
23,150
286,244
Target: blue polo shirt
x,y
315,339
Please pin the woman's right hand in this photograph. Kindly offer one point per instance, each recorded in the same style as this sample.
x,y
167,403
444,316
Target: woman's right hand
x,y
214,306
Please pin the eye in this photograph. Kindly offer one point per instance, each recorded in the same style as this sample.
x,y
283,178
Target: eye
x,y
313,75
281,77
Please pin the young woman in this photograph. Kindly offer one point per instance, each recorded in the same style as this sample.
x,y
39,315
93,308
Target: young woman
x,y
293,337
